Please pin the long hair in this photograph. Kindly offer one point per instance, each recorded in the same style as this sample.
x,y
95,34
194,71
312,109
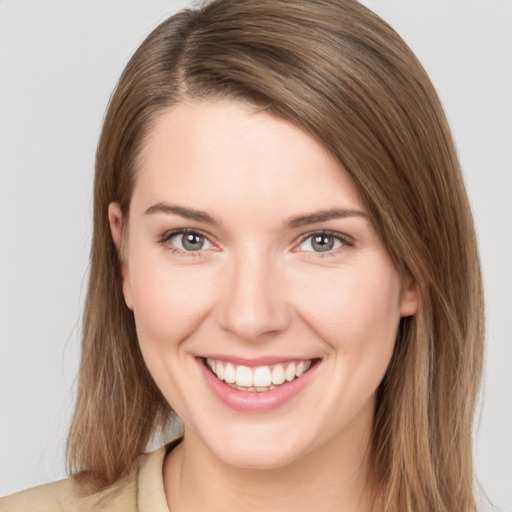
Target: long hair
x,y
340,73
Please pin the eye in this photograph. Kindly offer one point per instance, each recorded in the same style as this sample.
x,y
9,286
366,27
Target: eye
x,y
187,240
322,241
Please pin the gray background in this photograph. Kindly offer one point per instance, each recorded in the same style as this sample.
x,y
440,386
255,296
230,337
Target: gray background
x,y
59,61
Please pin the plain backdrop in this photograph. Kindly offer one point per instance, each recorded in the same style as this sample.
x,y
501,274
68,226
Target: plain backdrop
x,y
59,61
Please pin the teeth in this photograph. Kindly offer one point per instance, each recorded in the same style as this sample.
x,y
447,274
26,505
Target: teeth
x,y
262,377
277,375
229,374
258,379
289,373
243,376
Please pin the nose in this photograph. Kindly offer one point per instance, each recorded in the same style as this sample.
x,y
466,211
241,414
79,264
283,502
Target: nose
x,y
253,301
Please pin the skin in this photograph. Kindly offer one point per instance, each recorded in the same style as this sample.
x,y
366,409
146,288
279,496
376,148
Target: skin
x,y
259,288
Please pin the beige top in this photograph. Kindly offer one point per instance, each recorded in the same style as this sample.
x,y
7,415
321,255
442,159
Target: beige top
x,y
143,491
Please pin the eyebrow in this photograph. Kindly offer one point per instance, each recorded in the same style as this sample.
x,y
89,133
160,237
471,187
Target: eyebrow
x,y
187,213
322,216
293,222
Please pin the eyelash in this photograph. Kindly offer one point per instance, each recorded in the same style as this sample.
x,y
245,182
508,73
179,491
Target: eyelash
x,y
164,240
345,241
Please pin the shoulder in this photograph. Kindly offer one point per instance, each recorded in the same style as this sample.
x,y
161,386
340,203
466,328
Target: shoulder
x,y
71,495
45,497
75,495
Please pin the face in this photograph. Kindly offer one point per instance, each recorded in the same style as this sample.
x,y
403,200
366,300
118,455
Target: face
x,y
265,303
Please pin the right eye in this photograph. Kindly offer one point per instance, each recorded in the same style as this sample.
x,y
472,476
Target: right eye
x,y
186,241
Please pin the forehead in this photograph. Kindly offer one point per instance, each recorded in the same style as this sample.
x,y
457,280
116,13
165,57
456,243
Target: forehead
x,y
231,152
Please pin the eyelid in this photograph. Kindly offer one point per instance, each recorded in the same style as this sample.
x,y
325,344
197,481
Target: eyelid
x,y
182,231
346,240
167,235
343,238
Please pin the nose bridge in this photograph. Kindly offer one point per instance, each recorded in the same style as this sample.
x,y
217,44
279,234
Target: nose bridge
x,y
253,299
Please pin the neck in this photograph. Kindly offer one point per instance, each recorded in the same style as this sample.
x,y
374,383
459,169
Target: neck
x,y
334,476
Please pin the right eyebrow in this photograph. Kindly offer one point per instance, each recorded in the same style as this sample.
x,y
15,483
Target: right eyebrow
x,y
187,213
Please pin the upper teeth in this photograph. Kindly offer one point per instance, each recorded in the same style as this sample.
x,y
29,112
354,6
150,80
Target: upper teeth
x,y
259,377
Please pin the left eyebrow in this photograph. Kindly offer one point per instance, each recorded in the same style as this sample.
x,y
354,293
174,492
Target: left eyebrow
x,y
322,216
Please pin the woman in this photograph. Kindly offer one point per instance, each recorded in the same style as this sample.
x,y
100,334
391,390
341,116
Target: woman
x,y
283,256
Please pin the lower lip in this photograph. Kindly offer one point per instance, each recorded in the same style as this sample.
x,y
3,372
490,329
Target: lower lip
x,y
255,401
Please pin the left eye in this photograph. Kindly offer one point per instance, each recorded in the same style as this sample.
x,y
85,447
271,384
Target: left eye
x,y
321,242
189,241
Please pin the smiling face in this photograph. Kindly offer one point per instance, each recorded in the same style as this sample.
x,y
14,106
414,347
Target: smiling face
x,y
250,258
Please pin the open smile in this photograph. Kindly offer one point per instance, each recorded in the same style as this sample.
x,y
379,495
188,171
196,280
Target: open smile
x,y
258,388
260,378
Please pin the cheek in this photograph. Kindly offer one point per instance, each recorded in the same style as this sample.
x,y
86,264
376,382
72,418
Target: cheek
x,y
356,313
168,302
169,305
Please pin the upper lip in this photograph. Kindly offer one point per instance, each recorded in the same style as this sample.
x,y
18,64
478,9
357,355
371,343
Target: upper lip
x,y
258,361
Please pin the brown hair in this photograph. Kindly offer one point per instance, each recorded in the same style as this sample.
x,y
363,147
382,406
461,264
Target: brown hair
x,y
343,75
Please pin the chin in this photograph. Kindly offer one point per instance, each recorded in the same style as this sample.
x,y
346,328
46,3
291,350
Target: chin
x,y
256,458
258,448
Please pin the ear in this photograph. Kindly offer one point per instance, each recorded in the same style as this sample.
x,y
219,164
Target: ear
x,y
410,299
116,221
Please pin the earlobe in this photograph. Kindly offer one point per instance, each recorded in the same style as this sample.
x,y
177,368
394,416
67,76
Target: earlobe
x,y
410,300
115,219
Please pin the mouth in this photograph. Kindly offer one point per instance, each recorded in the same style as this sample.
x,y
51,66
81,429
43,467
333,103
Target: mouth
x,y
251,386
261,378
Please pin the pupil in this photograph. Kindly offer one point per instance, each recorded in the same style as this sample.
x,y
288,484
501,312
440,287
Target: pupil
x,y
323,243
193,242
